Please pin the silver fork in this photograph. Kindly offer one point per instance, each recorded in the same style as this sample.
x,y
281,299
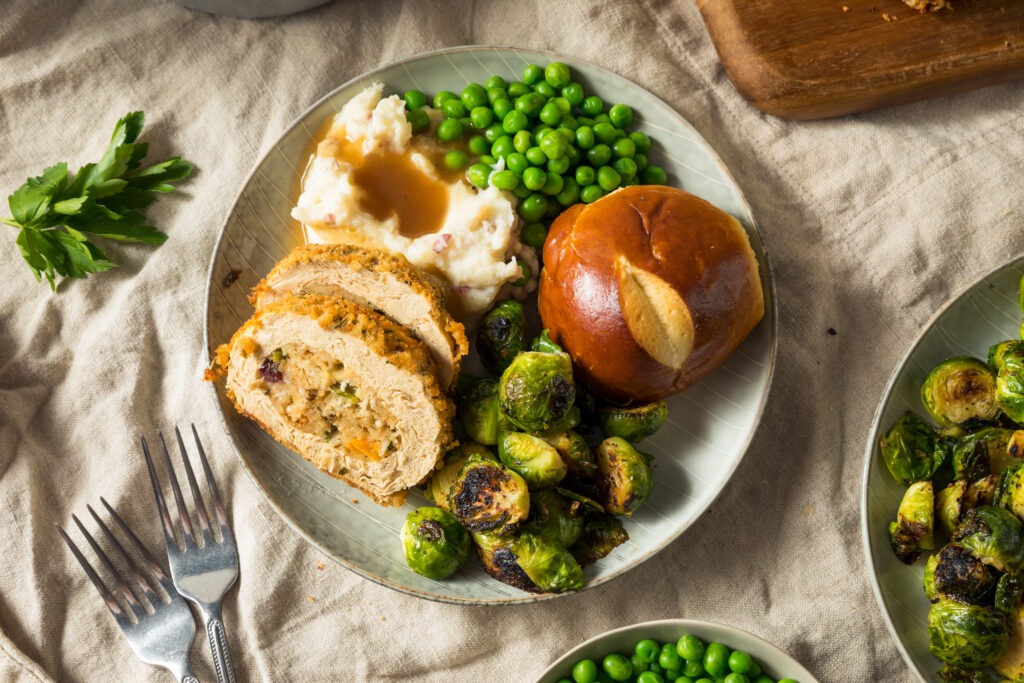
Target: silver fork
x,y
161,637
207,567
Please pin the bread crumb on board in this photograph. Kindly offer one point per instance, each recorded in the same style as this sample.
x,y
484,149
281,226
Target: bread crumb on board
x,y
929,5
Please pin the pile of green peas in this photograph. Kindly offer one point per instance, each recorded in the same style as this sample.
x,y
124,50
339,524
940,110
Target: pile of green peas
x,y
689,660
542,138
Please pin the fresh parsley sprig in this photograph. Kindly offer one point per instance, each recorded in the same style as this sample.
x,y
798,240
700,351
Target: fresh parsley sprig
x,y
57,214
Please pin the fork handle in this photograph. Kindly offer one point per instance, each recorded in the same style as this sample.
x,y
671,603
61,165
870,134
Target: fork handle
x,y
190,679
218,644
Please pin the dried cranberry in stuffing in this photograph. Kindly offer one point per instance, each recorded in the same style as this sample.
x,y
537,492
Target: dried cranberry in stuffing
x,y
270,371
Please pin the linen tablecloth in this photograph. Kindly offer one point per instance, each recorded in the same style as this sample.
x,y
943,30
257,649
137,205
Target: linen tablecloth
x,y
870,221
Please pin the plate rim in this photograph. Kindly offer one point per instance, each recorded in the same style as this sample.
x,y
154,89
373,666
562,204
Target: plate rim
x,y
869,449
771,318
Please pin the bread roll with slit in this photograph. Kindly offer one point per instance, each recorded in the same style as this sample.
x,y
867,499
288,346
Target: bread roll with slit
x,y
377,278
349,389
649,289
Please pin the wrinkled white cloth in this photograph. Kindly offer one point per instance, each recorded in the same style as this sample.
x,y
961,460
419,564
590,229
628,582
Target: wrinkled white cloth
x,y
871,222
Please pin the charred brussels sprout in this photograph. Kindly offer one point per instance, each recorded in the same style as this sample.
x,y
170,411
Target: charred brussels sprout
x,y
549,565
576,453
435,543
501,336
994,536
601,535
633,423
1010,490
914,528
536,392
487,496
949,505
971,636
981,492
912,450
955,572
478,411
625,476
1008,361
440,485
554,517
1009,592
533,458
960,389
498,559
981,453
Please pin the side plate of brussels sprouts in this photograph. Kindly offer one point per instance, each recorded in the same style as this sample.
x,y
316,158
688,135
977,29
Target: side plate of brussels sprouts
x,y
942,524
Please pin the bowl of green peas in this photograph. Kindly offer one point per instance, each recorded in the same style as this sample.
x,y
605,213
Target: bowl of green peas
x,y
680,650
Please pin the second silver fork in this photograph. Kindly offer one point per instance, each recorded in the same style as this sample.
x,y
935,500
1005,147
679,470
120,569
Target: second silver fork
x,y
207,566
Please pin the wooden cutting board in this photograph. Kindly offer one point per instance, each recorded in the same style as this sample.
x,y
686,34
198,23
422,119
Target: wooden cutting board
x,y
808,59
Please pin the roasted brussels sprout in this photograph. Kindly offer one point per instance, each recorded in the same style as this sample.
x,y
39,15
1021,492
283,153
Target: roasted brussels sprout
x,y
1010,490
994,536
502,335
487,496
633,423
479,413
588,503
949,505
955,572
981,492
959,389
1009,592
601,535
970,636
912,450
1007,360
435,543
914,528
533,458
955,674
980,453
440,485
498,560
579,458
536,392
1011,664
625,478
555,517
529,562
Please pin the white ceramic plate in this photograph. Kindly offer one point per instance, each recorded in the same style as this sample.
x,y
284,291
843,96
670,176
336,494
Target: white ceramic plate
x,y
775,663
983,314
709,426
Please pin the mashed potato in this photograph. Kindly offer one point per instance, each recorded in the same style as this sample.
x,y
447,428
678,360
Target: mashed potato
x,y
373,181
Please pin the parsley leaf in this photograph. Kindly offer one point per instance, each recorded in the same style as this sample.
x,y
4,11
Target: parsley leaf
x,y
57,215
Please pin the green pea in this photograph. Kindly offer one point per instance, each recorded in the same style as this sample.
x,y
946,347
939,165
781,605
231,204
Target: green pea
x,y
570,193
585,121
568,133
522,141
599,155
650,677
557,74
564,680
474,95
654,175
488,159
736,678
573,92
740,662
536,156
418,120
608,178
443,96
654,666
642,142
477,175
755,669
478,145
534,178
696,667
585,175
495,94
414,99
453,108
481,117
533,208
787,680
604,132
624,148
554,145
617,667
704,680
684,679
502,147
639,665
554,208
563,104
517,89
517,163
504,180
554,184
524,268
466,122
621,115
449,130
532,73
601,118
592,106
502,107
584,671
764,679
522,191
455,160
569,121
514,122
668,658
647,649
690,648
585,137
716,659
641,161
561,164
493,132
550,114
529,104
625,168
534,234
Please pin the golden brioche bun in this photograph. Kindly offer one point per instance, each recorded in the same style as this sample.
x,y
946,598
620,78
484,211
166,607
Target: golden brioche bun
x,y
648,289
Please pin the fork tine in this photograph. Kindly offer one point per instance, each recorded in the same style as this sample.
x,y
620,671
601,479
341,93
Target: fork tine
x,y
204,520
105,593
151,561
119,581
222,516
141,579
179,501
161,505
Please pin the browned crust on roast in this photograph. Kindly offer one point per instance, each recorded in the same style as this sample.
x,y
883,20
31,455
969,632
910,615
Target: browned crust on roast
x,y
701,251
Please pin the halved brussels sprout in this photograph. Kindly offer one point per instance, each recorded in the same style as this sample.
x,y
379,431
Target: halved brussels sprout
x,y
971,636
625,476
912,450
949,505
601,535
633,423
502,335
536,392
1007,359
956,674
981,492
498,560
578,457
487,496
994,536
956,573
1011,664
1010,490
1009,592
984,452
549,565
533,458
435,543
479,413
914,528
555,517
959,389
440,485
